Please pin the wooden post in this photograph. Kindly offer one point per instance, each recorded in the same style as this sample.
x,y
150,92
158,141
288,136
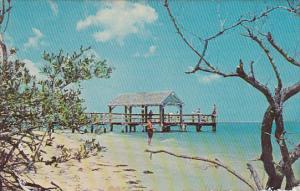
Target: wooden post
x,y
160,116
163,114
130,113
214,126
142,113
126,119
180,117
146,113
198,128
110,118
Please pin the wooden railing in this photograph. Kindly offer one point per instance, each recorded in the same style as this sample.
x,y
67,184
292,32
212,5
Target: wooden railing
x,y
105,118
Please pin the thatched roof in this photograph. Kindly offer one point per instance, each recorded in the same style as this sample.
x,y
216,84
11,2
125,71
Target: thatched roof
x,y
146,99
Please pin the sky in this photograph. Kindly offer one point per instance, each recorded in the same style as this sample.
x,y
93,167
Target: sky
x,y
139,40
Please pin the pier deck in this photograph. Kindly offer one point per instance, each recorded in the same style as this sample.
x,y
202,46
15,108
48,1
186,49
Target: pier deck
x,y
145,102
129,121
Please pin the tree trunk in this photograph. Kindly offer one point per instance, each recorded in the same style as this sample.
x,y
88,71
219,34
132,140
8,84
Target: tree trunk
x,y
275,177
287,166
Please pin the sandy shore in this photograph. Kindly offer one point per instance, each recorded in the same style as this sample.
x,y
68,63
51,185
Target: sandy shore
x,y
94,173
124,165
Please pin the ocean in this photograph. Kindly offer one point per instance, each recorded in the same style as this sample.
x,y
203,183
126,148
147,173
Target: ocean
x,y
234,144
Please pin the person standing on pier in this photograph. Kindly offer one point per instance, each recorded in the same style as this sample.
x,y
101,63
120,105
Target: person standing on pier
x,y
150,131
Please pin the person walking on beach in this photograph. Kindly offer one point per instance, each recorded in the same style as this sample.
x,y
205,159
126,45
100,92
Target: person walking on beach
x,y
150,131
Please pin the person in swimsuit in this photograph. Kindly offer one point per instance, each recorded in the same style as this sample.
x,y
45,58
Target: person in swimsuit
x,y
150,130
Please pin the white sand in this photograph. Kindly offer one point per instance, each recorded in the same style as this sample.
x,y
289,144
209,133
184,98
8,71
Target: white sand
x,y
94,173
122,167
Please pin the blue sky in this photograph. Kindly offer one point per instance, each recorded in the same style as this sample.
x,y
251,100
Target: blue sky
x,y
139,40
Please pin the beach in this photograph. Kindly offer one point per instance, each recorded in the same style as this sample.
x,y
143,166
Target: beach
x,y
124,164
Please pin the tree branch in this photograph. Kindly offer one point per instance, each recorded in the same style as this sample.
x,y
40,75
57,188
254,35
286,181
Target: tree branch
x,y
281,51
179,31
215,162
253,82
291,91
255,177
268,54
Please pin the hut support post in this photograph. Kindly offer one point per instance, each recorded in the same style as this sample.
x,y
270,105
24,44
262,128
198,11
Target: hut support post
x,y
214,126
198,126
180,116
130,117
162,117
126,119
110,118
130,113
146,114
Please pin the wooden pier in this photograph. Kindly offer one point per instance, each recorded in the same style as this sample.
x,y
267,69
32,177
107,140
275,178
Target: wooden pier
x,y
130,122
145,102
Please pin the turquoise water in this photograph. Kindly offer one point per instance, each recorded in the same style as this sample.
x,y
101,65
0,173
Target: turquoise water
x,y
234,144
230,138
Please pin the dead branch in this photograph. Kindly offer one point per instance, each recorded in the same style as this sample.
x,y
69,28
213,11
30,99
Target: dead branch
x,y
40,144
254,82
268,54
281,51
255,177
212,69
56,186
291,91
294,156
214,162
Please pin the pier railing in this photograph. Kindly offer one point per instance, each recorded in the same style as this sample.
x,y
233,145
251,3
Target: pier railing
x,y
121,118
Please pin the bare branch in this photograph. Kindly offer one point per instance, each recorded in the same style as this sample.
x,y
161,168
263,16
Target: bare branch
x,y
281,51
255,177
182,35
291,91
215,162
210,68
295,154
242,21
252,69
253,82
268,54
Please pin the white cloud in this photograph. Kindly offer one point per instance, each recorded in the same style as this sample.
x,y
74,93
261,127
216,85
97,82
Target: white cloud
x,y
208,79
35,40
53,6
118,20
33,69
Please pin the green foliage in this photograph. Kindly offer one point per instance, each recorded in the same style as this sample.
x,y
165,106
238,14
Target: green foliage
x,y
62,87
27,104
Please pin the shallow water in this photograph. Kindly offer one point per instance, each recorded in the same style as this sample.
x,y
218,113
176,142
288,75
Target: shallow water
x,y
234,144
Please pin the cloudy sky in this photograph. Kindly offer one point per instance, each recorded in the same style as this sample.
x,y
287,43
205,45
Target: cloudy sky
x,y
139,40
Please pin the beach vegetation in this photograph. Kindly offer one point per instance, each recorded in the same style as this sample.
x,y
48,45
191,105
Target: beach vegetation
x,y
29,103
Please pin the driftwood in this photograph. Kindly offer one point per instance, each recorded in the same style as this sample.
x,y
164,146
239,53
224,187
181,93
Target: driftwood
x,y
211,161
255,177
